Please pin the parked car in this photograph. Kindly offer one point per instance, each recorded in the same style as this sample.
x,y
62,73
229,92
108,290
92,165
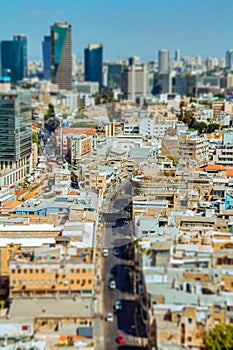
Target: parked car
x,y
112,284
105,252
120,338
109,317
118,305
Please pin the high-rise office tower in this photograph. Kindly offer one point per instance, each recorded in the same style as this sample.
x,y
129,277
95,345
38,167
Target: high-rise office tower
x,y
61,57
93,60
134,60
134,82
229,59
16,134
163,61
46,57
177,55
14,57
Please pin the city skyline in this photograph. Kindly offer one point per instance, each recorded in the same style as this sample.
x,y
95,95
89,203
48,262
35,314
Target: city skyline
x,y
126,28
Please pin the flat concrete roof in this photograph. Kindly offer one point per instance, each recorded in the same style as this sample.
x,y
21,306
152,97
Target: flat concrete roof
x,y
51,308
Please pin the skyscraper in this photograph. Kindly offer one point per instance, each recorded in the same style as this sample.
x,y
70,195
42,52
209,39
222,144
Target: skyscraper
x,y
61,57
16,134
93,57
46,57
134,82
229,59
163,61
14,57
177,55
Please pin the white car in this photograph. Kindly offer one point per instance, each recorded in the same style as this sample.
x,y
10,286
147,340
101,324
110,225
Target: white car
x,y
112,284
109,317
118,305
105,252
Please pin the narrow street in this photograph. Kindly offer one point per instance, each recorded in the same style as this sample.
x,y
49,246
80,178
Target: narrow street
x,y
117,237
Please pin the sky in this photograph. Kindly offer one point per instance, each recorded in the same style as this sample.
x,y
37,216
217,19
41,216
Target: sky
x,y
125,27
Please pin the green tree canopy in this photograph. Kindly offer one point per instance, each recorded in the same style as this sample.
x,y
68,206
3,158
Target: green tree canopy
x,y
50,113
219,338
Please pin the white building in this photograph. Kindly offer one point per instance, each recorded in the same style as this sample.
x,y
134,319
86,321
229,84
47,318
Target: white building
x,y
134,82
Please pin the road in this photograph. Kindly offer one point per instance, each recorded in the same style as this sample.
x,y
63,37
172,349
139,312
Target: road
x,y
118,234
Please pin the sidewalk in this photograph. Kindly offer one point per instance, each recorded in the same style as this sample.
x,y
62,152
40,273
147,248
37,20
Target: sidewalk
x,y
98,319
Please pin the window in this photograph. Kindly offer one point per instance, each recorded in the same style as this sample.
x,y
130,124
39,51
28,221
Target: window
x,y
217,308
89,270
78,281
25,270
71,281
48,281
13,271
72,270
36,282
37,271
42,281
31,282
31,270
83,270
42,270
77,270
190,321
89,281
189,338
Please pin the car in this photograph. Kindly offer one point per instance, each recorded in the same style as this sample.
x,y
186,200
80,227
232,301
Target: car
x,y
118,305
120,338
109,317
105,252
116,252
112,284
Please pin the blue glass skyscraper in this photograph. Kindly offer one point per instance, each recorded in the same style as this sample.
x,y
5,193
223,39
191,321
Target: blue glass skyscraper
x,y
61,57
93,57
46,47
14,57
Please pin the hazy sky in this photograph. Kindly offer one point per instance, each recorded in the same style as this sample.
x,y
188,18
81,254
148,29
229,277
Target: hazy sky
x,y
125,27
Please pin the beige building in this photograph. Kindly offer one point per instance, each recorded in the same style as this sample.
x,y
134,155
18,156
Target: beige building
x,y
193,149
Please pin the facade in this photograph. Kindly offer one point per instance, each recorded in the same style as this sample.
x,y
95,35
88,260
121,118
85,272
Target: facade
x,y
14,57
16,134
93,57
70,100
193,148
163,61
46,56
114,75
134,82
61,57
229,59
87,87
78,146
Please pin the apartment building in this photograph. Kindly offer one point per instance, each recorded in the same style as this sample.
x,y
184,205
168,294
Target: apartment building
x,y
50,272
193,149
78,146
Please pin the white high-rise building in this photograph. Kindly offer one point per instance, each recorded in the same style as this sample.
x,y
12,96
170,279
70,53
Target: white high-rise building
x,y
134,82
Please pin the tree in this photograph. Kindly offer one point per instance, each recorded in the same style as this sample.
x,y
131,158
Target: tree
x,y
200,127
50,113
219,338
212,127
